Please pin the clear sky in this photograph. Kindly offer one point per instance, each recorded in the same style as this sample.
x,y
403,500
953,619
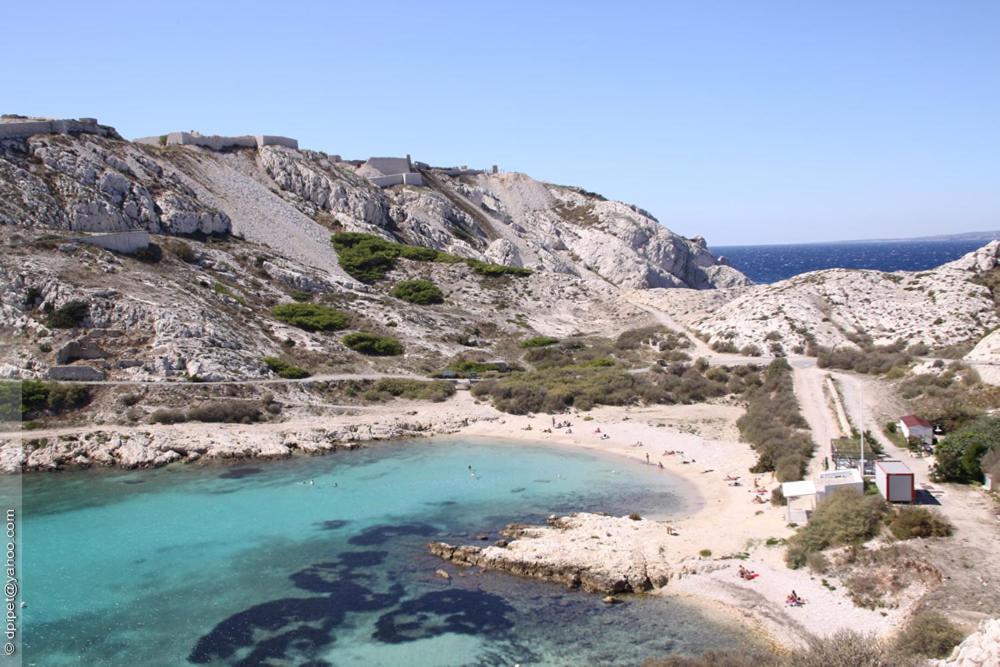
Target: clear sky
x,y
747,122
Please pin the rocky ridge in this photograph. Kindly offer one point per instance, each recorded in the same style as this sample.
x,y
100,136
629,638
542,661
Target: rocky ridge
x,y
939,307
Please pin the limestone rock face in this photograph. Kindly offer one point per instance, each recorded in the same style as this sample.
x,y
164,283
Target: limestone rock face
x,y
95,184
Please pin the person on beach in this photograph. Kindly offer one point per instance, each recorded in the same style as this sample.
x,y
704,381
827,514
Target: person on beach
x,y
660,463
647,458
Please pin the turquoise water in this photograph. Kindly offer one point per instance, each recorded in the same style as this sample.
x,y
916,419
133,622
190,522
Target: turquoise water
x,y
322,561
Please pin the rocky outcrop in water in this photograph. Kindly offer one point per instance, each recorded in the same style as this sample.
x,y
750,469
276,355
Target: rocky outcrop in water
x,y
592,552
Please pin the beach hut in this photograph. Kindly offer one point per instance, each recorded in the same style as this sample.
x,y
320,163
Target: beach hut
x,y
912,426
800,499
895,481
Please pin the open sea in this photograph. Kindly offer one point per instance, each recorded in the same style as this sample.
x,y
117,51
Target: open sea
x,y
323,561
771,263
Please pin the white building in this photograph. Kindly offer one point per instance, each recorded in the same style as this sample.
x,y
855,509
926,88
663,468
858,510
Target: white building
x,y
912,426
800,500
801,497
895,482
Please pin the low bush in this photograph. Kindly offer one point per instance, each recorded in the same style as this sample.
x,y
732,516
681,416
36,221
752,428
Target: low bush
x,y
68,316
910,522
490,269
421,292
539,341
657,336
928,635
311,317
225,411
373,345
414,390
168,416
284,369
841,519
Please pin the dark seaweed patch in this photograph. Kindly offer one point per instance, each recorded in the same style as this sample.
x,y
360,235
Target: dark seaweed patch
x,y
240,473
332,524
378,535
518,489
440,612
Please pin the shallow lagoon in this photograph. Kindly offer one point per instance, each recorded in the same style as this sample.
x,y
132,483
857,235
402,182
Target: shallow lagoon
x,y
322,561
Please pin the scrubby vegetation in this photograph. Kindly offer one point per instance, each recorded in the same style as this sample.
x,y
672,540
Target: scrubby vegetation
x,y
539,341
468,368
311,317
285,369
414,390
583,374
368,257
960,455
657,337
910,522
953,398
68,316
841,519
232,411
373,345
868,358
928,635
34,398
418,291
774,426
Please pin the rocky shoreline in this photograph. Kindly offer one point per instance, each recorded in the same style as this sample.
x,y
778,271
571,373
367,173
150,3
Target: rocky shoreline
x,y
157,446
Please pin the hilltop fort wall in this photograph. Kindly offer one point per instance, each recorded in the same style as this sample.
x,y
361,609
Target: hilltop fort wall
x,y
19,127
217,142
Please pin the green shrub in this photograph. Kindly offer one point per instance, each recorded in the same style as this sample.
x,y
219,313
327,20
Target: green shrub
x,y
311,317
928,635
490,269
37,396
373,345
539,341
422,292
68,316
285,369
910,522
959,456
841,519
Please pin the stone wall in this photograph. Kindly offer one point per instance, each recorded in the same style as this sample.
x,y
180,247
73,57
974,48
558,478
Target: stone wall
x,y
390,166
412,178
75,373
19,129
123,242
217,142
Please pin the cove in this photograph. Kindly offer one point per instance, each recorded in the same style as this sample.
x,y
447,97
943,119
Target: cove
x,y
322,561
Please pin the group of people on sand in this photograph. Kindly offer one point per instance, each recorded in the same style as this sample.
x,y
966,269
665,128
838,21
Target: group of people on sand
x,y
746,574
793,600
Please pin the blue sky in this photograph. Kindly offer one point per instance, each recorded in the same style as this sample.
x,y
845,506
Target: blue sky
x,y
747,122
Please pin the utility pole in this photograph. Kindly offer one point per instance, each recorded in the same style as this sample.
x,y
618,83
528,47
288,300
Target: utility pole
x,y
861,429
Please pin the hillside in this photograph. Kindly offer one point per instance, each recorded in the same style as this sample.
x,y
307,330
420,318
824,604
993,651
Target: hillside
x,y
239,231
